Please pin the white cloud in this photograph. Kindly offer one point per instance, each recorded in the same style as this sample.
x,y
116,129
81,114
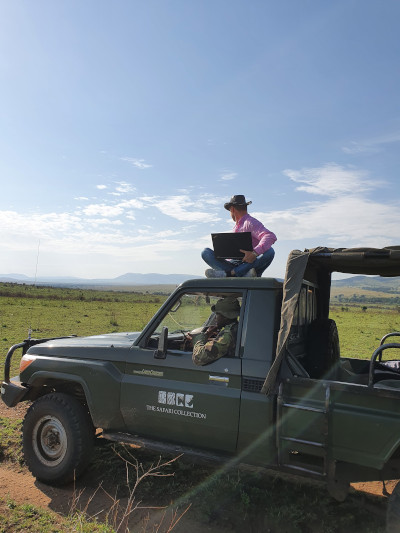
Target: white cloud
x,y
65,233
358,148
345,211
331,180
95,222
101,187
183,208
373,145
165,234
347,218
103,210
133,203
16,228
345,221
228,176
138,163
148,198
123,187
211,201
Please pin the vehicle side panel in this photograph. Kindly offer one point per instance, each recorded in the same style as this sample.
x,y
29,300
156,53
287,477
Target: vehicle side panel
x,y
363,425
100,380
175,400
256,443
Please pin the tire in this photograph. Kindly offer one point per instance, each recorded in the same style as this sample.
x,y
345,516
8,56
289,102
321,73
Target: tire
x,y
57,438
393,511
322,349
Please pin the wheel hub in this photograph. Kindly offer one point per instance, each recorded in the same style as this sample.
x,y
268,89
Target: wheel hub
x,y
49,440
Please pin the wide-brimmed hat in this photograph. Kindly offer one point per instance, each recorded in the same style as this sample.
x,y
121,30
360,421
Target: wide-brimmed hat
x,y
237,201
229,307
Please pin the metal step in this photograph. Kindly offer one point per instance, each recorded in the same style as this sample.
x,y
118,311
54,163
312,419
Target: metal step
x,y
304,408
302,441
296,461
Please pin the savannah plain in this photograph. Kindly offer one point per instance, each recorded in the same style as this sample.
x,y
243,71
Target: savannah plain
x,y
130,489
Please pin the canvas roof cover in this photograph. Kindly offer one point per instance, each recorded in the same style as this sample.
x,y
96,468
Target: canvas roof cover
x,y
316,265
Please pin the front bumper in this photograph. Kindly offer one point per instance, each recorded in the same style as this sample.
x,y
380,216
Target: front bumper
x,y
12,392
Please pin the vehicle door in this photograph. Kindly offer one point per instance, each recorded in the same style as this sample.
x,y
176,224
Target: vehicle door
x,y
339,416
322,423
170,398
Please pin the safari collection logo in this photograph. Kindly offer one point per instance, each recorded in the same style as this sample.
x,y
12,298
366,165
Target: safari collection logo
x,y
175,398
169,402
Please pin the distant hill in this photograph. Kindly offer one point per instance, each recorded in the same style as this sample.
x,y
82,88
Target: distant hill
x,y
125,280
371,283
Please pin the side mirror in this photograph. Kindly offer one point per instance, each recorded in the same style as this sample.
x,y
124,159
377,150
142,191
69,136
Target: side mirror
x,y
177,306
161,352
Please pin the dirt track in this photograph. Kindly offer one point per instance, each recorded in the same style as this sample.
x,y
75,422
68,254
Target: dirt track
x,y
19,485
22,488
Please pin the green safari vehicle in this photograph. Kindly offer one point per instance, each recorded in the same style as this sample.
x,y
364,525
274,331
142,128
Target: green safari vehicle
x,y
286,399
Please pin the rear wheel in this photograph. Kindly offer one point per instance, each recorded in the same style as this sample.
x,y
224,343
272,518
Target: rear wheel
x,y
57,437
323,351
393,511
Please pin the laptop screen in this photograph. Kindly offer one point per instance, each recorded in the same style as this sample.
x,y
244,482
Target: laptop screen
x,y
228,245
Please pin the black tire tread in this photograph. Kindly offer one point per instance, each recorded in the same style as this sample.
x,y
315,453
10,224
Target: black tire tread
x,y
393,511
82,433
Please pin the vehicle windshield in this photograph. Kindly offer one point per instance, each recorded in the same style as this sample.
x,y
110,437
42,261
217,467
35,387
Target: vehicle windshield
x,y
190,312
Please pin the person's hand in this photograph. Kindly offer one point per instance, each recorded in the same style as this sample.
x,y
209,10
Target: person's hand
x,y
187,344
212,330
249,257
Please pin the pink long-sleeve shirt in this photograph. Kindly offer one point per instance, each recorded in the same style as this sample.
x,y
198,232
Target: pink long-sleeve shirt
x,y
261,237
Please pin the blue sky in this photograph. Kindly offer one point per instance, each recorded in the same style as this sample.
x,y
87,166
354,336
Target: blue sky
x,y
126,125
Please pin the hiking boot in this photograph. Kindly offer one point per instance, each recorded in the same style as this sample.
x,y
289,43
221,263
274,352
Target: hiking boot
x,y
211,273
250,274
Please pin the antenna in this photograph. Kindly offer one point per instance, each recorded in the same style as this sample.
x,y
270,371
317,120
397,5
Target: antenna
x,y
34,284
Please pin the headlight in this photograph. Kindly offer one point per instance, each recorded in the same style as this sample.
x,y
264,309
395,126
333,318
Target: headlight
x,y
25,362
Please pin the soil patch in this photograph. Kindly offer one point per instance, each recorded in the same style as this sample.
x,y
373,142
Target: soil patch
x,y
88,495
13,412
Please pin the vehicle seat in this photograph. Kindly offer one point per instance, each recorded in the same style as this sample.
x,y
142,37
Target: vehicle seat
x,y
388,384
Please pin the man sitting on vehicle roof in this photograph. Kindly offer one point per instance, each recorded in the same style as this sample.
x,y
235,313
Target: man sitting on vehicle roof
x,y
255,261
218,340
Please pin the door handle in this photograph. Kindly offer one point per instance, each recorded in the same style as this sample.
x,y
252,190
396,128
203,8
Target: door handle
x,y
219,380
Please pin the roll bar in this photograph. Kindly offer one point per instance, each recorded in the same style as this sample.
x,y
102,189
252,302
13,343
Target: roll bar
x,y
27,343
378,354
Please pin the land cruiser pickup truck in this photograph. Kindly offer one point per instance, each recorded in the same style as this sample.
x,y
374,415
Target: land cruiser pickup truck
x,y
286,398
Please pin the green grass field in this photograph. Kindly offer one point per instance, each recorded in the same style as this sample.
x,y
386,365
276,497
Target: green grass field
x,y
360,331
231,498
51,312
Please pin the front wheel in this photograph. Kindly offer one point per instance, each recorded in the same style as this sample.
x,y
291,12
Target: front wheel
x,y
57,438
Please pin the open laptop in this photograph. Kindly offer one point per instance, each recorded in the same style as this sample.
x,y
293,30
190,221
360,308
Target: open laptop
x,y
227,245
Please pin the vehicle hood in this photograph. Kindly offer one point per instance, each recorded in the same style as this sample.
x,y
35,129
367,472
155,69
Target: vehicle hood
x,y
87,347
